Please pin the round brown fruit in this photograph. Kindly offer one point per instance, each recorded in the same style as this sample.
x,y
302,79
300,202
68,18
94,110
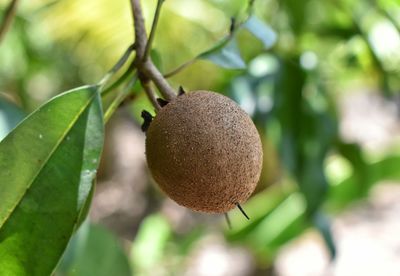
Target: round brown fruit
x,y
204,152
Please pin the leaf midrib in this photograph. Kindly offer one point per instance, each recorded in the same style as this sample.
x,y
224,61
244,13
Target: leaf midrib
x,y
60,140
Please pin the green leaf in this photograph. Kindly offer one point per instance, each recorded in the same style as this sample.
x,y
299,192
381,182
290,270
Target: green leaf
x,y
363,177
225,54
47,165
94,251
286,221
261,30
323,224
10,116
86,207
149,245
296,12
385,169
313,183
258,207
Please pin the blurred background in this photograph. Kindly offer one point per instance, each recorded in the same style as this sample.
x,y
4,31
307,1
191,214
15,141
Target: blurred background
x,y
321,79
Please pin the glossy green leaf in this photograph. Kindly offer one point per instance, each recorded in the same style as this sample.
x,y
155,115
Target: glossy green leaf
x,y
226,54
86,207
262,31
94,251
47,165
10,116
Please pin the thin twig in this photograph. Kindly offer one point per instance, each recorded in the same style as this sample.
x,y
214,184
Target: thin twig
x,y
222,41
118,82
233,28
151,94
180,68
153,29
8,17
119,99
118,65
123,59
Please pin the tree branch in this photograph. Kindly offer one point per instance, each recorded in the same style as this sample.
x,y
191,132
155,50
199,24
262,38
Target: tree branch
x,y
180,68
151,94
144,66
140,30
153,29
155,75
8,17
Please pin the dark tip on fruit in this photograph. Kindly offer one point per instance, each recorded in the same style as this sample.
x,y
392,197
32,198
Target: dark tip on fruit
x,y
181,91
242,211
162,102
147,119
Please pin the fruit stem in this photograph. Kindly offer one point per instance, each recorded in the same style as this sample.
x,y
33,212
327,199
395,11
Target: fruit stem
x,y
151,94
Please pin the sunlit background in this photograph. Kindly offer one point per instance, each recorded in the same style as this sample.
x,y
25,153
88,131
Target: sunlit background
x,y
322,85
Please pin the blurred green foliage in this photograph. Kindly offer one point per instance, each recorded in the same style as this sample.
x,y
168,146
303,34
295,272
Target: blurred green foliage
x,y
93,250
287,67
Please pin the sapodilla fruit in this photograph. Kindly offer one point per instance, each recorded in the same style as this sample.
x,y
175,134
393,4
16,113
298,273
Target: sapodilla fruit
x,y
204,152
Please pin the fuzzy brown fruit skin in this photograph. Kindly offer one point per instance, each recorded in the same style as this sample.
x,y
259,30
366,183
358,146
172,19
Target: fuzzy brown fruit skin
x,y
204,152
